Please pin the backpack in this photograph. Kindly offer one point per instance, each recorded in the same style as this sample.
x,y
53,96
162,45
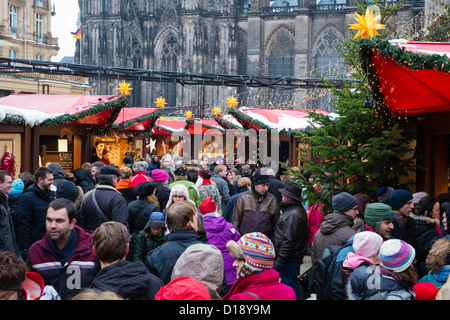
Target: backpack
x,y
327,275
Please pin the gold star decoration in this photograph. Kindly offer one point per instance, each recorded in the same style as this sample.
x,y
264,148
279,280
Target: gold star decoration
x,y
367,25
160,102
188,114
124,88
232,102
162,119
217,111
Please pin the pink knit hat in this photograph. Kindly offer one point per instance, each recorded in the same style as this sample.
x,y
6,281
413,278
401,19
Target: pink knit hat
x,y
367,243
159,175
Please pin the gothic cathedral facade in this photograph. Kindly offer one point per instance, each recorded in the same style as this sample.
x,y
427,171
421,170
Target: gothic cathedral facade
x,y
282,38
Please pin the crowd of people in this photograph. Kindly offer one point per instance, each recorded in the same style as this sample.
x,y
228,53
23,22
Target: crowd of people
x,y
170,229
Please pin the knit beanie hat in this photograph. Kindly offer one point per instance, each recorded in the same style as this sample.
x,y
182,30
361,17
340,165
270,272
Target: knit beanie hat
x,y
259,178
17,186
367,243
166,161
344,201
205,173
145,188
140,166
183,288
68,190
425,291
418,196
396,255
207,206
256,249
377,212
399,198
180,171
159,175
383,194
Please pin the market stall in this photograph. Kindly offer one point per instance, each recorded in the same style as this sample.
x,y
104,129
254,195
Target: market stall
x,y
413,80
38,129
129,135
286,123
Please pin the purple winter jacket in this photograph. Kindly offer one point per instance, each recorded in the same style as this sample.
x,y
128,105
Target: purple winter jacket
x,y
219,232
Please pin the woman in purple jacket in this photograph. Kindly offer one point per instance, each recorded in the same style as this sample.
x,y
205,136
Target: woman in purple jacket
x,y
219,232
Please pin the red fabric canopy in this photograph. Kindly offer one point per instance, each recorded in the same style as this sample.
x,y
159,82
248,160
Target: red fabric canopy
x,y
203,125
168,127
276,119
138,119
193,126
409,91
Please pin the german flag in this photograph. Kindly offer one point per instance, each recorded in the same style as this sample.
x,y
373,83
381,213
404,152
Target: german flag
x,y
76,35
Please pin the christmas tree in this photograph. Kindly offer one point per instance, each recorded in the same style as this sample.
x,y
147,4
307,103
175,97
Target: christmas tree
x,y
438,30
364,147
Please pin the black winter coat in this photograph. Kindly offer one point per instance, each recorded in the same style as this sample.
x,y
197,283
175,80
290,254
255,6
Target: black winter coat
x,y
426,236
7,233
130,280
161,261
84,179
139,212
291,233
110,201
32,213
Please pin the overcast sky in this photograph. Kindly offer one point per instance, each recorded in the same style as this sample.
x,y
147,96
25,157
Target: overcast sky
x,y
63,23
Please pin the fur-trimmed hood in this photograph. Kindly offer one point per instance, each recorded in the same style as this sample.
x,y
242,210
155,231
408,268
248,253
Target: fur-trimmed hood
x,y
235,250
428,220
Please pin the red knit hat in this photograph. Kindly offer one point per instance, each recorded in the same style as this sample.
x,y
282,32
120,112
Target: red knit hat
x,y
183,288
425,291
207,206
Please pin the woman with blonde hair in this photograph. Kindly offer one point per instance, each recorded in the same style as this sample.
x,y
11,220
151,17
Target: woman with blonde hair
x,y
124,184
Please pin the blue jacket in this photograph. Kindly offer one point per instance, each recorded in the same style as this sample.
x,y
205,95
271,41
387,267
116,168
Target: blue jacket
x,y
437,278
32,213
161,261
372,283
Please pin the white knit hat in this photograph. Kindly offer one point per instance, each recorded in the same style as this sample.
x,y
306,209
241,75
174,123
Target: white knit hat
x,y
396,255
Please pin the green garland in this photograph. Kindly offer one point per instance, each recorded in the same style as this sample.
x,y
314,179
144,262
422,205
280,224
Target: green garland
x,y
411,60
242,118
116,106
189,121
153,116
159,128
226,124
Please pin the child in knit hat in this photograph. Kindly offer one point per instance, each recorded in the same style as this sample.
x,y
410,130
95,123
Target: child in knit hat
x,y
393,279
367,248
257,280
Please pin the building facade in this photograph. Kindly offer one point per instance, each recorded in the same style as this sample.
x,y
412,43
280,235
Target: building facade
x,y
25,33
282,38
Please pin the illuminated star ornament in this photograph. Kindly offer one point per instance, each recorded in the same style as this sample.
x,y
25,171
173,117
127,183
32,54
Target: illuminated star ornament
x,y
232,102
217,111
367,25
124,88
188,114
151,145
160,102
